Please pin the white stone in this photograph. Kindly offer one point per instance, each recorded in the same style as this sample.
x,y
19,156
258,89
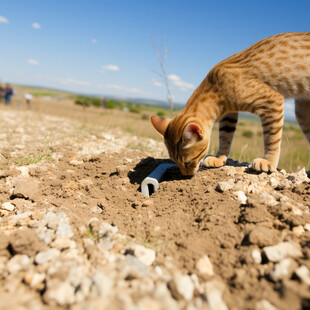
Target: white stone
x,y
298,177
63,244
298,230
64,230
282,269
303,273
184,286
273,182
264,305
106,229
145,255
103,284
257,256
277,253
46,256
24,171
307,227
37,280
267,199
75,162
17,263
214,291
225,186
62,295
204,266
8,206
241,196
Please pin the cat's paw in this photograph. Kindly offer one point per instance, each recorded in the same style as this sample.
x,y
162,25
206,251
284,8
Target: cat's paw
x,y
214,162
260,164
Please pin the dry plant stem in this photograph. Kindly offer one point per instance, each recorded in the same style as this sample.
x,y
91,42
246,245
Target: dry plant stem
x,y
162,66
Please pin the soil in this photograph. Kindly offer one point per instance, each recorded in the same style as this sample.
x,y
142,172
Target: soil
x,y
182,221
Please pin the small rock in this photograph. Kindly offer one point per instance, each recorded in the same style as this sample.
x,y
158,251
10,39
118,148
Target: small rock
x,y
96,209
204,266
107,229
303,274
64,230
298,177
214,291
241,196
283,269
182,287
307,227
224,186
257,257
277,253
35,280
298,230
263,236
17,263
273,182
145,255
62,294
147,203
102,284
25,188
267,199
75,162
46,256
264,305
8,206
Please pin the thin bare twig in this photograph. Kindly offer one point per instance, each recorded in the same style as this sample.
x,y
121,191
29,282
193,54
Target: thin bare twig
x,y
161,60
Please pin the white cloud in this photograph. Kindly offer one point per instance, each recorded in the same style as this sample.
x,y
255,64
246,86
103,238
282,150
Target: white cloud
x,y
3,20
70,81
33,62
177,81
94,41
110,68
156,83
121,88
36,26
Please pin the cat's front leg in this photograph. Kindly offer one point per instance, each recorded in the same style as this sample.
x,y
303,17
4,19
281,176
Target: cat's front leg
x,y
272,121
227,129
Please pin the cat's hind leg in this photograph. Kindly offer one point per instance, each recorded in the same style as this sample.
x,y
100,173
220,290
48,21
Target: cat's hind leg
x,y
302,112
227,129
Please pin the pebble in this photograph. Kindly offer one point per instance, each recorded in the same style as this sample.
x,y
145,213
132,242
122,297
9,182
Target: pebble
x,y
46,256
283,269
62,294
8,206
182,286
214,291
35,280
17,263
257,256
64,230
102,284
145,255
263,236
107,229
204,266
241,196
264,304
267,199
303,274
25,188
147,203
298,230
277,253
224,186
307,227
63,244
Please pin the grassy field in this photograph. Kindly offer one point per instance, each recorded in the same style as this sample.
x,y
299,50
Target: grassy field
x,y
134,119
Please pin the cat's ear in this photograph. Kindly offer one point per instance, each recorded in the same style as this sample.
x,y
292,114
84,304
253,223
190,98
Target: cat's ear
x,y
192,132
160,123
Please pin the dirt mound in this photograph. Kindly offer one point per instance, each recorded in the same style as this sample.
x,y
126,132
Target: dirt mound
x,y
76,232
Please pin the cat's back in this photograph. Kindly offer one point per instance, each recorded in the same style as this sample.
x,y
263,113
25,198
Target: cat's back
x,y
281,61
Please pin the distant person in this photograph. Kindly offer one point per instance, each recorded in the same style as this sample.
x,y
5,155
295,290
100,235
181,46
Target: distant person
x,y
28,98
103,103
1,93
8,93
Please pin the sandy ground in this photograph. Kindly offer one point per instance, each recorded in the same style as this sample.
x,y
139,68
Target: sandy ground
x,y
214,233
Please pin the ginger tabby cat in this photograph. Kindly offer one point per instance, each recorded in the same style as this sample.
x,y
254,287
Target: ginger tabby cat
x,y
255,80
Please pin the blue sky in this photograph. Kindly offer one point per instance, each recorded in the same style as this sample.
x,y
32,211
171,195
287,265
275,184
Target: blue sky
x,y
105,47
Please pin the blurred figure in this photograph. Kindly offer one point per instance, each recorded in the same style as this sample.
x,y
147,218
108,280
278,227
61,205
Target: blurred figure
x,y
28,98
103,103
8,93
1,93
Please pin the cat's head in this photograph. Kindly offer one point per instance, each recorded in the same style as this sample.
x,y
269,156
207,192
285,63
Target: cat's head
x,y
186,141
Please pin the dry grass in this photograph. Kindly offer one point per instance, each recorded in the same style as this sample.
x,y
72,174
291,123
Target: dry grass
x,y
247,144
